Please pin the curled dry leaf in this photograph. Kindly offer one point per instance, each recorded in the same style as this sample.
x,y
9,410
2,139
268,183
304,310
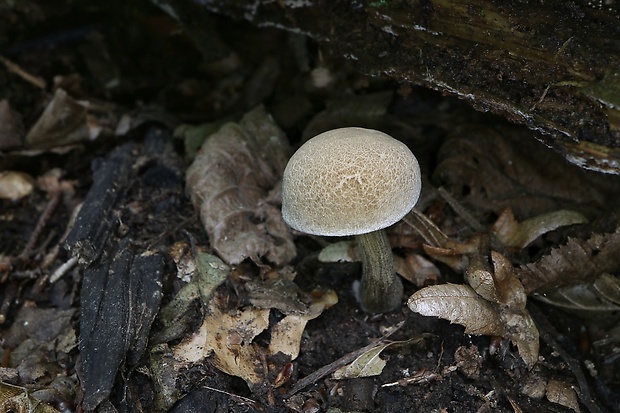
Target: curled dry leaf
x,y
231,183
520,234
67,121
459,304
509,290
479,277
510,299
579,261
493,305
63,122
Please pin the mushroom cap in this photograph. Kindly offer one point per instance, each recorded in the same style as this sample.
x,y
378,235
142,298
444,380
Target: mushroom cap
x,y
349,181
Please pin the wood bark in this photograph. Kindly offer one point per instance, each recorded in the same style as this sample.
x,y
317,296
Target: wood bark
x,y
552,65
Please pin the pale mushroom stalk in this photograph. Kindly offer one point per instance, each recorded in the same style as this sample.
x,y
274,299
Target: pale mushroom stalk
x,y
381,289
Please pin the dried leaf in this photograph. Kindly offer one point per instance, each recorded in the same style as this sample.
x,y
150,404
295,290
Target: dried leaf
x,y
522,331
519,235
286,334
341,251
68,121
16,399
15,185
579,261
298,306
416,269
603,295
211,272
230,182
228,337
63,122
366,365
509,290
413,267
562,393
459,304
494,305
500,170
427,229
480,278
440,246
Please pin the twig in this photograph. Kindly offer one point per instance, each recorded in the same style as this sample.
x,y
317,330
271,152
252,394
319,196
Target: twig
x,y
62,270
241,399
10,292
43,219
344,360
32,79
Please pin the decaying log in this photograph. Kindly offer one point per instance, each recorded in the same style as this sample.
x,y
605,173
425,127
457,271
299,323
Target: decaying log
x,y
96,220
553,66
120,298
122,280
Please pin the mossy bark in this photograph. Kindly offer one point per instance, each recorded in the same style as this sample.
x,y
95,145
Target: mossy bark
x,y
553,66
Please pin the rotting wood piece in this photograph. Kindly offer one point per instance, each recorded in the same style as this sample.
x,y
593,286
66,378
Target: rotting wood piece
x,y
96,219
120,297
121,288
553,66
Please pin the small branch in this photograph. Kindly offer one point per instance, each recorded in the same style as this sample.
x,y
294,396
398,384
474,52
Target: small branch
x,y
240,399
15,68
62,270
43,219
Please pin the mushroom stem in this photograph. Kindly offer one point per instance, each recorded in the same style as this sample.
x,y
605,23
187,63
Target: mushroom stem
x,y
381,289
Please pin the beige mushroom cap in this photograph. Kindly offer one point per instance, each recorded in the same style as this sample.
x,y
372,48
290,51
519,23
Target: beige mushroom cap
x,y
349,181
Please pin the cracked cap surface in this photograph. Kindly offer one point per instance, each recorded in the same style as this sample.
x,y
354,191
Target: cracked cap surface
x,y
349,181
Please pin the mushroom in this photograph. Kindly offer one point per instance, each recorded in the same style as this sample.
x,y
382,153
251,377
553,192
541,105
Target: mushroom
x,y
354,181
